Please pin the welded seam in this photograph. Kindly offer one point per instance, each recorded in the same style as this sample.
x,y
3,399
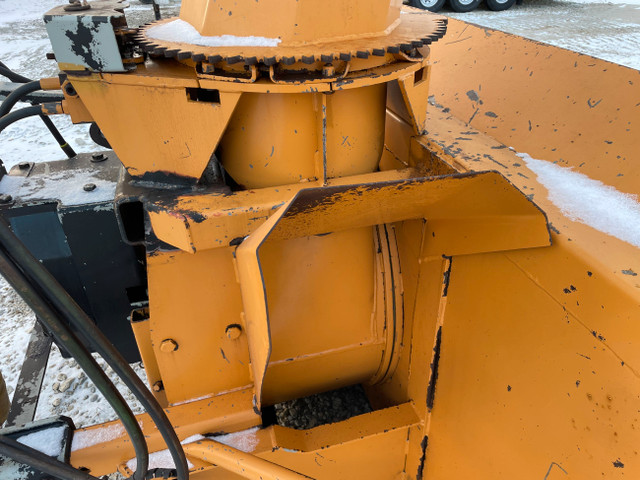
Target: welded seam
x,y
589,330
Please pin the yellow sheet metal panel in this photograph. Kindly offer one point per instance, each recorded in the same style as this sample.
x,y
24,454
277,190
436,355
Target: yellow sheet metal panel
x,y
451,140
552,103
366,446
213,220
184,135
523,388
184,310
291,21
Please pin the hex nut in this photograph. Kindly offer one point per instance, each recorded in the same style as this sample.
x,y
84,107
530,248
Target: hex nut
x,y
169,345
233,331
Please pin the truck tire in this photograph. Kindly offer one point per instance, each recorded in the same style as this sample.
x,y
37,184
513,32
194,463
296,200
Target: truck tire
x,y
463,6
431,5
499,5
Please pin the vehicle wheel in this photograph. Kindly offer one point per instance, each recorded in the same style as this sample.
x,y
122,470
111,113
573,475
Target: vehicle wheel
x,y
431,5
499,5
463,5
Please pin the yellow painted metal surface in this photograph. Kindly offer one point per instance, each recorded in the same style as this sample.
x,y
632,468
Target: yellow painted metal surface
x,y
404,249
188,314
295,23
105,446
173,146
242,463
588,121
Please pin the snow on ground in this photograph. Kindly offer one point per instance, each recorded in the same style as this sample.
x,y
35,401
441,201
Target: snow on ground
x,y
604,29
608,30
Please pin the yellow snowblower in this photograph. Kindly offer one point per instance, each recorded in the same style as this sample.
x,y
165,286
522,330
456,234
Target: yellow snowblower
x,y
303,196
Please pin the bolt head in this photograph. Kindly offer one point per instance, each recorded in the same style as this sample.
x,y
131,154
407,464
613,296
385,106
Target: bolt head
x,y
169,345
89,187
158,386
24,165
98,157
233,331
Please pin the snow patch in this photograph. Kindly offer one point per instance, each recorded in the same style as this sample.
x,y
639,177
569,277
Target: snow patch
x,y
589,201
162,458
245,440
183,32
66,186
48,441
88,438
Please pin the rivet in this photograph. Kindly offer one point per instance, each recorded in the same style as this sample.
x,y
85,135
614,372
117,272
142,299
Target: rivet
x,y
89,187
233,331
169,345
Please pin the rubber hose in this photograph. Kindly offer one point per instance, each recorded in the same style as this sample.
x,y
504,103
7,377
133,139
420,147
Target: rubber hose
x,y
34,297
89,332
15,96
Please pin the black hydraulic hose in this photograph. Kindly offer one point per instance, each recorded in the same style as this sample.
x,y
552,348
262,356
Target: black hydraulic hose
x,y
58,297
15,96
13,76
13,117
36,299
66,148
38,460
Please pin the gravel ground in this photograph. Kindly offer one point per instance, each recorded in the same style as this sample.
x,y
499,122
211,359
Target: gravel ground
x,y
323,408
610,31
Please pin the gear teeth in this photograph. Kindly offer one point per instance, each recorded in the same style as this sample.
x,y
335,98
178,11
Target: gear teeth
x,y
405,41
